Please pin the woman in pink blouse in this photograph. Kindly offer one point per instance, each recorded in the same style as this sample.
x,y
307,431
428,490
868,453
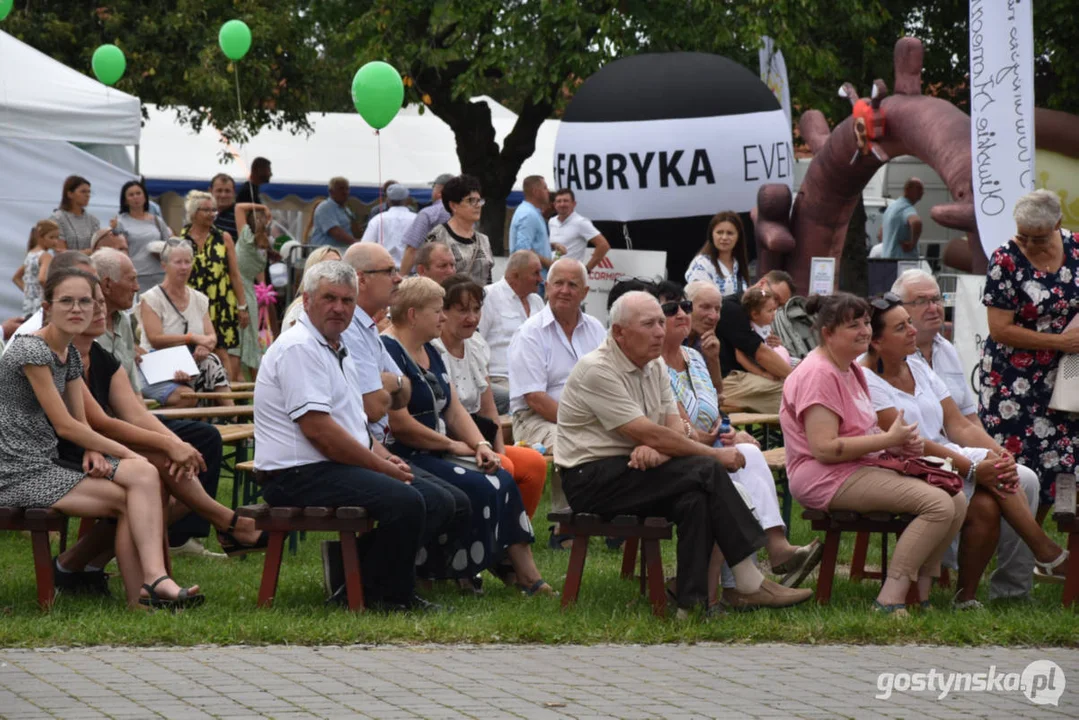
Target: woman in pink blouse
x,y
831,434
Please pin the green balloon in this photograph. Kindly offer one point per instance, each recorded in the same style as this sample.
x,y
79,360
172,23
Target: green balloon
x,y
5,8
109,64
377,93
235,39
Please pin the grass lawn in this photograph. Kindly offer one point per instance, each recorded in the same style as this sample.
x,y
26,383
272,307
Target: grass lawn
x,y
609,610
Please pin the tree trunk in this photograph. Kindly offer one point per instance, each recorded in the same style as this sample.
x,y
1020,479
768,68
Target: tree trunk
x,y
854,265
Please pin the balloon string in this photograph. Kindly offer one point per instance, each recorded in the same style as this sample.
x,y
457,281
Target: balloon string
x,y
239,107
378,138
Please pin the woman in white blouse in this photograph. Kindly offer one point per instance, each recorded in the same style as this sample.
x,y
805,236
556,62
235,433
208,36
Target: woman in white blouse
x,y
722,259
996,486
174,314
467,357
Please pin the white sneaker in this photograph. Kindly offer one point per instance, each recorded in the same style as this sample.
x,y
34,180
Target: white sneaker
x,y
193,548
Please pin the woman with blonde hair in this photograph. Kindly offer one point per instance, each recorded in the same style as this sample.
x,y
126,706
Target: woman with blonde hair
x,y
318,255
436,433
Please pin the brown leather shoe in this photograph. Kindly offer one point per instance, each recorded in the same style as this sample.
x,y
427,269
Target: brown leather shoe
x,y
770,595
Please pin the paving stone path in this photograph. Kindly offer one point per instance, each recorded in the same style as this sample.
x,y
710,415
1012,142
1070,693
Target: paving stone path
x,y
540,682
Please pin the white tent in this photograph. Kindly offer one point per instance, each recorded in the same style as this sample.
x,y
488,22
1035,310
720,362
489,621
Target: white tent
x,y
415,149
46,106
41,99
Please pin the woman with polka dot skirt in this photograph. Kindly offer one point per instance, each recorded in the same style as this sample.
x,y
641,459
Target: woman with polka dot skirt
x,y
437,434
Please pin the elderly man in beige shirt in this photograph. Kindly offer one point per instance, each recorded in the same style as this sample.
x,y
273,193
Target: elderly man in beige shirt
x,y
623,450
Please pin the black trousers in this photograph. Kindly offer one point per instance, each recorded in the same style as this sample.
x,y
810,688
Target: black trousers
x,y
387,554
695,493
207,440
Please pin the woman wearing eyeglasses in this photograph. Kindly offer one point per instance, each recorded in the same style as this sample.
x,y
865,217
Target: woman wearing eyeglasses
x,y
436,433
172,314
698,403
1032,294
216,273
832,438
41,391
471,248
997,489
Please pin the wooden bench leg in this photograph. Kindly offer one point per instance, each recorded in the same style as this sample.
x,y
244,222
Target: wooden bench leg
x,y
857,562
350,558
643,575
271,568
575,571
629,558
656,592
1071,582
827,567
46,590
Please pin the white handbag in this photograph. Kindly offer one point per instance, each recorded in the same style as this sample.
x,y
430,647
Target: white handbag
x,y
1066,389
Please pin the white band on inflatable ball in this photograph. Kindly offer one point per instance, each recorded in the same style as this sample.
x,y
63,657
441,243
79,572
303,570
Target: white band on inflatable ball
x,y
679,167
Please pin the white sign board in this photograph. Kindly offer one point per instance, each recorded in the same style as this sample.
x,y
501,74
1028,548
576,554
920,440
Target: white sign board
x,y
673,168
822,276
616,265
1001,113
970,324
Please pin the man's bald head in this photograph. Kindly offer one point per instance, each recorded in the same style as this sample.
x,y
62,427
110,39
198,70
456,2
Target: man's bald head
x,y
367,256
377,276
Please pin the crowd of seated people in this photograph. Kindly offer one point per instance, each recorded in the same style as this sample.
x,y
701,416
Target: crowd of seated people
x,y
391,393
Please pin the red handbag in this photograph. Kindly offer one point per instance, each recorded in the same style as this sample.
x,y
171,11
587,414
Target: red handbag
x,y
930,471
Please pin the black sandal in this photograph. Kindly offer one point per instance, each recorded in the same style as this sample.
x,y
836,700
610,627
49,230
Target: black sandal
x,y
184,599
233,547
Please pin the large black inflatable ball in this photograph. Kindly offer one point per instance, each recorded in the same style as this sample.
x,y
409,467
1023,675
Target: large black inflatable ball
x,y
654,145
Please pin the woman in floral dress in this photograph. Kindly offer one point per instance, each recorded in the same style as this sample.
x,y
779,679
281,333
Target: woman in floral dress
x,y
1032,293
216,273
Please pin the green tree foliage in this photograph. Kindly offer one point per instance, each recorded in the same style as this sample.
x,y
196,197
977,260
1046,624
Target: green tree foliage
x,y
173,58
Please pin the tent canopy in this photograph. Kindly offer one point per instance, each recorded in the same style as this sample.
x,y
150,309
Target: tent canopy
x,y
415,150
46,100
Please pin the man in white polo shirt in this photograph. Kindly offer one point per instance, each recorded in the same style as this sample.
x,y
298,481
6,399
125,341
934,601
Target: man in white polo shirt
x,y
575,232
922,299
508,303
312,447
541,356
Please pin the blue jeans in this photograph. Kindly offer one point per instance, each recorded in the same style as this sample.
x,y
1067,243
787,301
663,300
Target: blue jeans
x,y
388,553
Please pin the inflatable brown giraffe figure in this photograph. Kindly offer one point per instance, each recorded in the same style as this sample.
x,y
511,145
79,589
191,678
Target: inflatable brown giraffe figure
x,y
844,159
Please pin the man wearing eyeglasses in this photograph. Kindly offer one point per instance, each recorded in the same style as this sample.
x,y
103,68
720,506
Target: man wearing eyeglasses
x,y
921,297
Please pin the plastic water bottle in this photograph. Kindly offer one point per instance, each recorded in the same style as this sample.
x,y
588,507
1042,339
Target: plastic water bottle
x,y
540,448
724,426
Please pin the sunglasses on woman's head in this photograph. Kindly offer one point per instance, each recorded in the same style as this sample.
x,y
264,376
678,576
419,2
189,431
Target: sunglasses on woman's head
x,y
887,301
670,309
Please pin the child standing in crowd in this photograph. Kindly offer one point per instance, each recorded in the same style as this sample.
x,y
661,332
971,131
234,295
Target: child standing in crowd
x,y
760,306
44,237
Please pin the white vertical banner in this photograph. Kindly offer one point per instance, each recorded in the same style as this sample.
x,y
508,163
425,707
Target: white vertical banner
x,y
970,324
774,73
1001,113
